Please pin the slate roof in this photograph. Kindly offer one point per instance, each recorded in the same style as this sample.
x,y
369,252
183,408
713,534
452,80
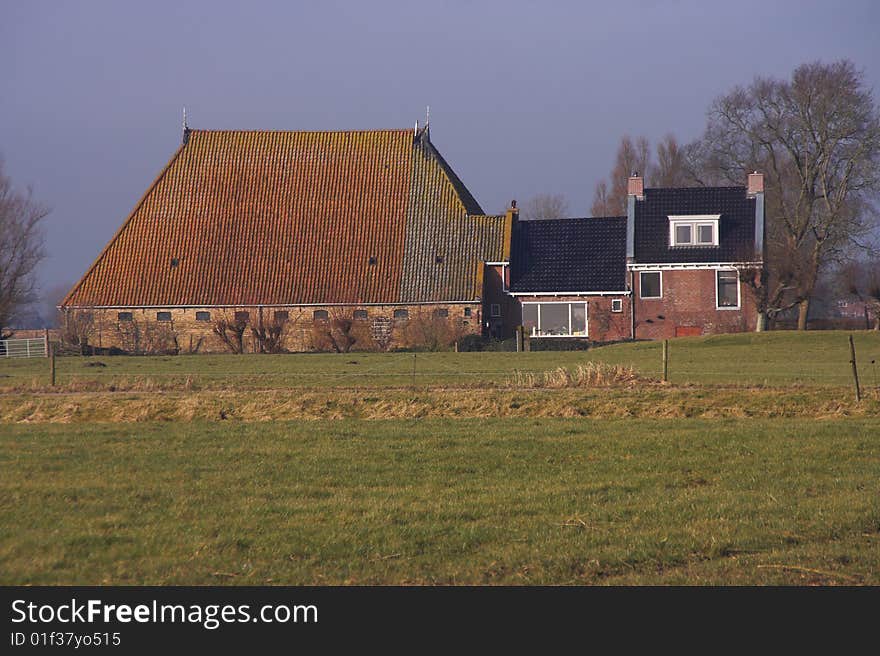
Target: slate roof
x,y
284,218
569,255
736,235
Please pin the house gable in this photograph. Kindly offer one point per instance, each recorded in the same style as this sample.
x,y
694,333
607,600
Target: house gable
x,y
735,212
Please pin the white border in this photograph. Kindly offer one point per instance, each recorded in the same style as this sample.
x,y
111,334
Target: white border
x,y
694,221
693,265
738,291
651,298
622,293
569,304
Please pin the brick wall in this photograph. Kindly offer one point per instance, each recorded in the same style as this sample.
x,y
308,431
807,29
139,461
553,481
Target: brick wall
x,y
688,307
495,280
186,330
603,325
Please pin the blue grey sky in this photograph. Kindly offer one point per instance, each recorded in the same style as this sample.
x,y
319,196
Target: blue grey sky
x,y
526,97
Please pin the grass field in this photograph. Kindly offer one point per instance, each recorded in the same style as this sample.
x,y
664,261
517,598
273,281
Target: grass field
x,y
489,501
778,358
755,465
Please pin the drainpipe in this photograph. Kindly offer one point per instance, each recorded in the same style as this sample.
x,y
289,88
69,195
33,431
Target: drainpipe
x,y
756,190
635,190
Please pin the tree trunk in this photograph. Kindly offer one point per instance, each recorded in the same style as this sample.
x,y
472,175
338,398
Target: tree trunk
x,y
803,311
761,323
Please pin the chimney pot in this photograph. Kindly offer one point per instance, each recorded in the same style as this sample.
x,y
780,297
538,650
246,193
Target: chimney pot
x,y
513,204
756,183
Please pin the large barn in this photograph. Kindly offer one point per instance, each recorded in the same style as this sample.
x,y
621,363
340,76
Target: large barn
x,y
256,240
272,241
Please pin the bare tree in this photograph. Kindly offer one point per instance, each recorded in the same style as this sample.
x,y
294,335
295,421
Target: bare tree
x,y
231,332
670,169
601,201
632,157
545,206
861,280
21,249
817,138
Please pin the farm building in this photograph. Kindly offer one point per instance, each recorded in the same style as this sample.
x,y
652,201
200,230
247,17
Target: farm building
x,y
251,241
677,264
269,241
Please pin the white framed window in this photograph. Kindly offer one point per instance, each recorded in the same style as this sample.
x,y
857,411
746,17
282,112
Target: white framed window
x,y
495,310
555,319
617,305
693,230
727,291
651,284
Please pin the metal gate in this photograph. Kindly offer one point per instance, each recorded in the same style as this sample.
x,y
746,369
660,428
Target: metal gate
x,y
24,348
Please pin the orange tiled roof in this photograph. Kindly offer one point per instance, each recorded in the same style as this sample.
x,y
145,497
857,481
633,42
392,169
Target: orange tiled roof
x,y
285,218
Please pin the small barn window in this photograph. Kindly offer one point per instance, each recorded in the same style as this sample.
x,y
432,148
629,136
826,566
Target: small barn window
x,y
360,315
616,305
174,261
495,310
401,315
441,313
242,317
124,316
202,315
320,315
281,316
467,312
163,316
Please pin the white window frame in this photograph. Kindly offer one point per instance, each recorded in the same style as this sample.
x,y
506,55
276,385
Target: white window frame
x,y
695,222
738,305
619,303
534,332
641,289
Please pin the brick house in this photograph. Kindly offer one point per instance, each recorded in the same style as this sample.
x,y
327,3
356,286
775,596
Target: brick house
x,y
676,265
257,240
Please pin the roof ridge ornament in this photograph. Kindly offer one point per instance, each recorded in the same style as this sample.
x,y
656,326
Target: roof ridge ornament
x,y
186,130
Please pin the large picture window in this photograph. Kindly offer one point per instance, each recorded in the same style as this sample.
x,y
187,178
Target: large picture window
x,y
727,290
555,319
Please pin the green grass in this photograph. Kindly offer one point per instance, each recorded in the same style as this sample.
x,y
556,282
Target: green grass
x,y
442,501
773,359
175,470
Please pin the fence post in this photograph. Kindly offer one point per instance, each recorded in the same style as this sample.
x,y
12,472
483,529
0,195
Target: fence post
x,y
414,372
519,339
52,364
46,341
855,369
665,360
527,342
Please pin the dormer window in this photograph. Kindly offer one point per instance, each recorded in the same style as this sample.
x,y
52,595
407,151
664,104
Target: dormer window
x,y
685,231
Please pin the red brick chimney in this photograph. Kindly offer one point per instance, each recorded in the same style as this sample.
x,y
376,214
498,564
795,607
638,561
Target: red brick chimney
x,y
756,183
635,186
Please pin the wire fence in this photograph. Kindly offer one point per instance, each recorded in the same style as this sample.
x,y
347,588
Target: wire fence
x,y
357,370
